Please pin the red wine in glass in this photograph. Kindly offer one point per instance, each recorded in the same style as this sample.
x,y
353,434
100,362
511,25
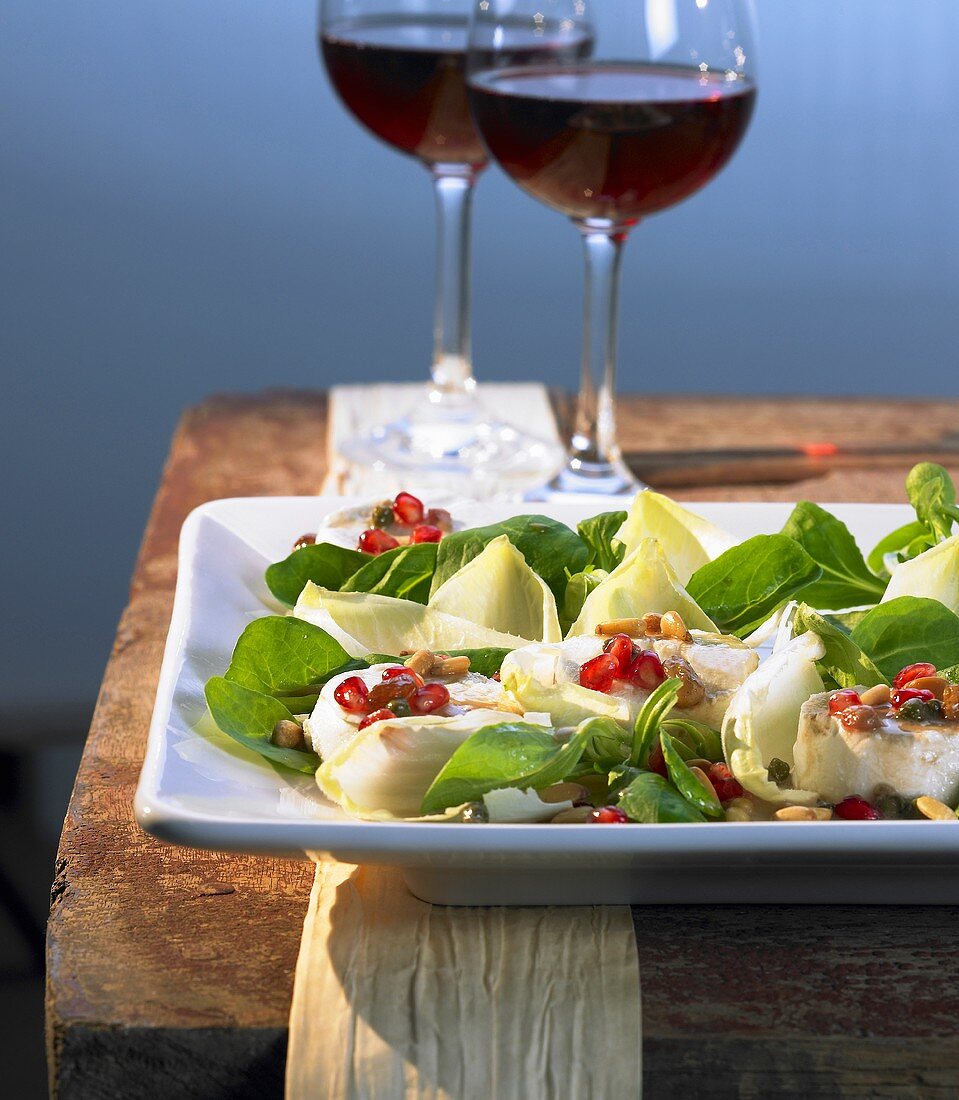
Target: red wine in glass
x,y
611,141
403,77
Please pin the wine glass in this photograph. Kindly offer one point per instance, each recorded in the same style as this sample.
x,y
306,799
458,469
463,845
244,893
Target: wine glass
x,y
399,68
650,117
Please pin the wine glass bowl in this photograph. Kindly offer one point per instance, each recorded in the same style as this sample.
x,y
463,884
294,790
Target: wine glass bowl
x,y
647,119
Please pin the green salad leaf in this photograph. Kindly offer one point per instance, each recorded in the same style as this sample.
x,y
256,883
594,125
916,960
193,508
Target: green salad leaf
x,y
694,740
249,716
325,564
651,800
933,495
280,655
745,585
508,754
688,785
550,548
405,572
909,629
654,711
844,663
578,588
599,534
951,674
846,581
904,542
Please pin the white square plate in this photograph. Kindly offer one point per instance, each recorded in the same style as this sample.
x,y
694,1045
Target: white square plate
x,y
200,789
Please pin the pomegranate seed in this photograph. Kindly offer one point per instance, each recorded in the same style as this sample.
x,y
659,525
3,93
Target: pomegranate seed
x,y
855,808
608,815
382,715
620,646
429,698
425,532
352,695
408,509
647,671
913,672
724,783
903,695
393,671
599,673
657,762
839,700
439,517
375,541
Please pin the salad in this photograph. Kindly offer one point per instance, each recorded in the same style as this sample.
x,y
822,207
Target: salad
x,y
645,667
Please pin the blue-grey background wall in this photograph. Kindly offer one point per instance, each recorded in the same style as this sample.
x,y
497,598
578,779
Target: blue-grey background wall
x,y
185,208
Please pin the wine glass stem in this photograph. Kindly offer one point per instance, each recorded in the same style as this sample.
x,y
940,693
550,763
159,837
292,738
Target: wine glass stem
x,y
594,456
452,370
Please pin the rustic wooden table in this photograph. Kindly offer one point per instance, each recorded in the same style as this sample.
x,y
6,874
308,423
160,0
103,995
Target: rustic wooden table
x,y
170,971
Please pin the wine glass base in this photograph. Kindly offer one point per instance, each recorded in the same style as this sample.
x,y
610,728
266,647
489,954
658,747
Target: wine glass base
x,y
581,478
460,445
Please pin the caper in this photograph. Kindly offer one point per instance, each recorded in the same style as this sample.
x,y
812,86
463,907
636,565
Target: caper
x,y
382,515
918,710
474,813
892,805
400,707
778,771
288,734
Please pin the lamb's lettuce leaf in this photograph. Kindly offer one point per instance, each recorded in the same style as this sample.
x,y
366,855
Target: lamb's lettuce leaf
x,y
578,588
550,548
651,800
405,572
688,784
909,629
933,495
846,581
249,716
508,754
688,540
747,584
599,533
325,564
843,664
281,655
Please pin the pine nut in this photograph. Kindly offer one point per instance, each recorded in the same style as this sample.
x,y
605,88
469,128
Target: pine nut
x,y
632,627
936,684
740,809
421,662
576,816
564,792
876,696
934,809
672,626
652,623
451,666
803,813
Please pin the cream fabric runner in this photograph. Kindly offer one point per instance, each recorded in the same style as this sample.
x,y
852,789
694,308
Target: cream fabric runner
x,y
396,999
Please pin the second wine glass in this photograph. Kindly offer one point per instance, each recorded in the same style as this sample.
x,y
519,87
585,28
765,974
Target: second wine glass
x,y
655,112
399,67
